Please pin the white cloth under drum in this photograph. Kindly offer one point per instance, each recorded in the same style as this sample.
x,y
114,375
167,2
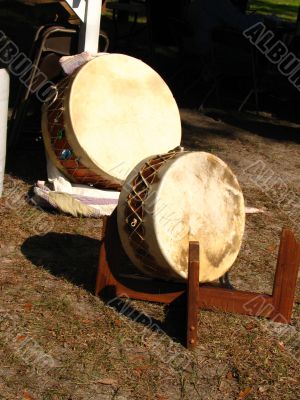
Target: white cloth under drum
x,y
78,201
73,199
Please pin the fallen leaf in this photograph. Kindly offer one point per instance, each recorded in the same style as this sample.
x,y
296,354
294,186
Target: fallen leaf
x,y
244,393
281,346
250,326
233,374
86,321
136,358
27,306
272,249
20,338
27,396
141,369
229,375
138,372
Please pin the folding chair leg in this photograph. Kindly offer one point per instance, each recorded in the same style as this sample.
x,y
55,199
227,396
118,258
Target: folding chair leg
x,y
212,89
245,101
106,39
22,104
193,84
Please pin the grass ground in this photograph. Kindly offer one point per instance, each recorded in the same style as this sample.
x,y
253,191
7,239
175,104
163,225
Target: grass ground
x,y
60,342
286,9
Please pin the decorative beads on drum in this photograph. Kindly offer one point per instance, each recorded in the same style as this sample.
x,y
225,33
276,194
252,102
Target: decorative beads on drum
x,y
60,134
65,154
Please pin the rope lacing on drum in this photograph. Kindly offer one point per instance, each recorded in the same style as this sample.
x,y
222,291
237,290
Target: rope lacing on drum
x,y
56,109
61,87
59,143
135,211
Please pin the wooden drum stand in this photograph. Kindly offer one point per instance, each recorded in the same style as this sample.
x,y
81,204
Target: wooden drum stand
x,y
278,306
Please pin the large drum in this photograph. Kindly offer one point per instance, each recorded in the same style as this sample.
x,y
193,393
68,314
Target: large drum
x,y
175,198
109,115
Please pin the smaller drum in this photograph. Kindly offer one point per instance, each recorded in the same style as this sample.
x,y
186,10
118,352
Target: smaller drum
x,y
175,198
107,116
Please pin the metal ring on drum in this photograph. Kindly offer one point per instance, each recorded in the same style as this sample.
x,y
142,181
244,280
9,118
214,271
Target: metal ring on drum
x,y
172,199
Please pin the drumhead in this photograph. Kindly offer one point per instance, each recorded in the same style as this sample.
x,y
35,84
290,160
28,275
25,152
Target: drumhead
x,y
194,197
119,111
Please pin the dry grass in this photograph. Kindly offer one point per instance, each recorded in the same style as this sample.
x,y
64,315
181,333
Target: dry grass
x,y
47,282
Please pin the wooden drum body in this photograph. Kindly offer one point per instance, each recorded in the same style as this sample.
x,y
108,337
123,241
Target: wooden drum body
x,y
111,113
175,198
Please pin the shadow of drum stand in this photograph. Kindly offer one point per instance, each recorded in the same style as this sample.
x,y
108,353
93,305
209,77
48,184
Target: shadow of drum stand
x,y
277,307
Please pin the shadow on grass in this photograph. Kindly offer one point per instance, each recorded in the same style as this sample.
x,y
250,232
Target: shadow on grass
x,y
75,258
174,324
72,257
261,127
280,132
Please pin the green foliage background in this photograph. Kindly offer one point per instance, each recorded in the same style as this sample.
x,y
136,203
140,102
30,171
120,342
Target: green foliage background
x,y
287,9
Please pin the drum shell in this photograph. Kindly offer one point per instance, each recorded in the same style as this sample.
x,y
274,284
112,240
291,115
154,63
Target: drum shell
x,y
154,263
56,119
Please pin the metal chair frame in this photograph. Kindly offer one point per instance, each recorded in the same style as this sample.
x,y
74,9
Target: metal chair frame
x,y
218,79
42,43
